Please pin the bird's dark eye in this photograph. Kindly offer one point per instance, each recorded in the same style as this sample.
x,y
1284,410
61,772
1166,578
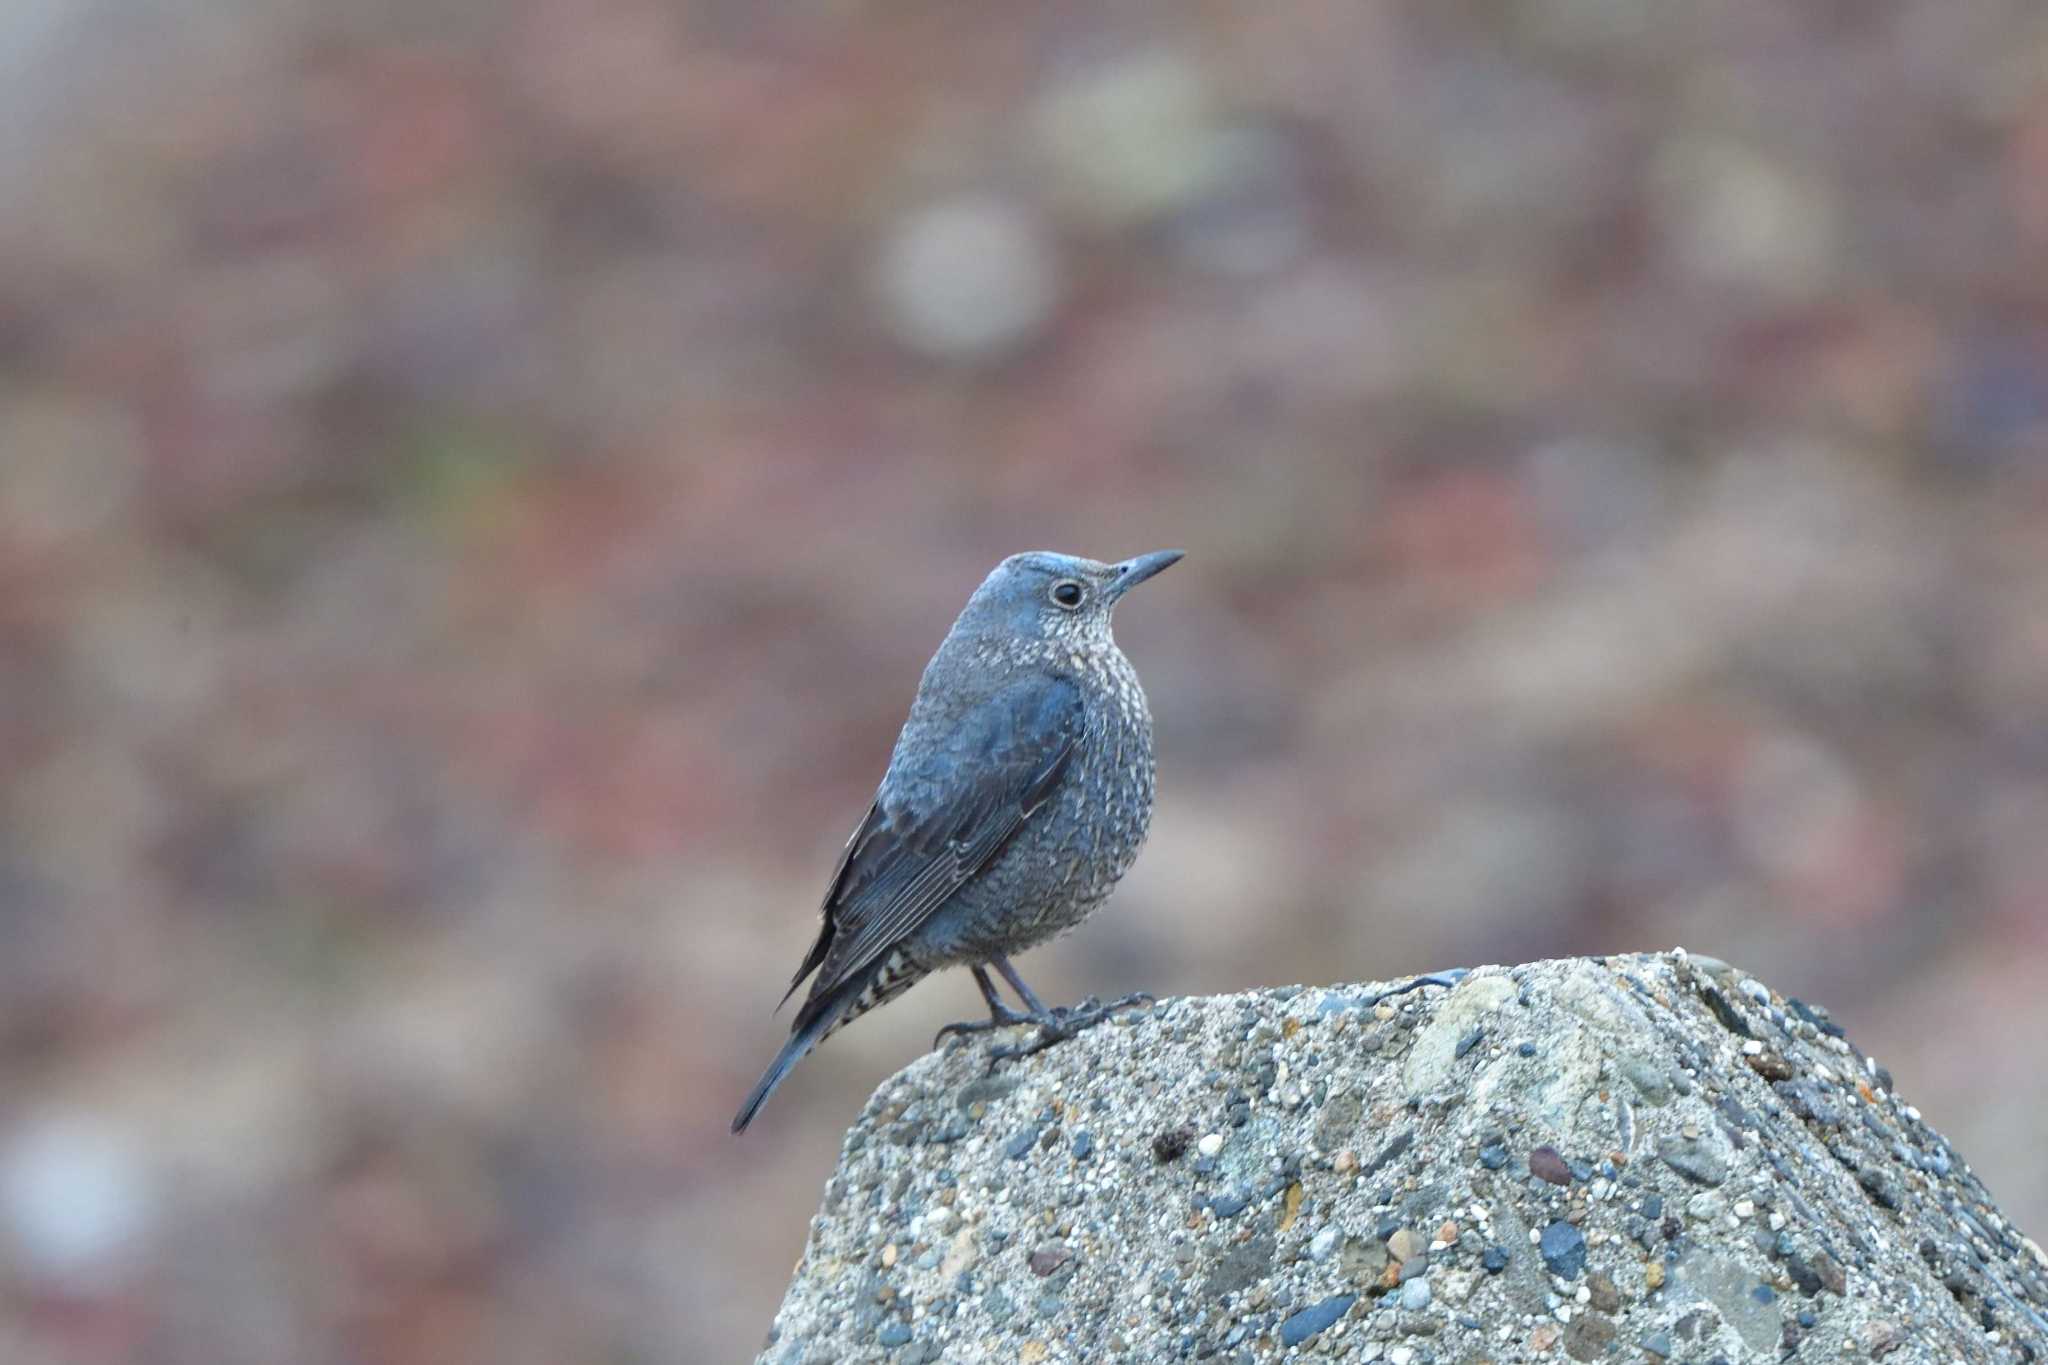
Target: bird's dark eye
x,y
1067,594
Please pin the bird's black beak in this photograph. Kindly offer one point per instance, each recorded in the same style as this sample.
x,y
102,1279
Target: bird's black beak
x,y
1132,572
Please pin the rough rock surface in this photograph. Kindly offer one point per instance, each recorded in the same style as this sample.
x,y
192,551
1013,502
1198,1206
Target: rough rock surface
x,y
1632,1158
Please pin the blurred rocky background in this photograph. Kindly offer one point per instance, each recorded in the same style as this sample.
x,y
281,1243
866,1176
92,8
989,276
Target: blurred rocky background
x,y
479,480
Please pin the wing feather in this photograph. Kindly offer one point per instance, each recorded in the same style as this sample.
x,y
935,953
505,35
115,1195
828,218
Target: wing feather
x,y
940,818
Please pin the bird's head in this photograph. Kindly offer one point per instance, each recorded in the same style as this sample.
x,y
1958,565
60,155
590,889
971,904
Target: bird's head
x,y
1042,595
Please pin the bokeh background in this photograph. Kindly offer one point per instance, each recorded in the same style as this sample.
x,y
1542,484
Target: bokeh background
x,y
479,480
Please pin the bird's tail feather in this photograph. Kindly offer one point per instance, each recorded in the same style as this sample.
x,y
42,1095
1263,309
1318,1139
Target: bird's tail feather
x,y
815,1022
828,1015
800,1042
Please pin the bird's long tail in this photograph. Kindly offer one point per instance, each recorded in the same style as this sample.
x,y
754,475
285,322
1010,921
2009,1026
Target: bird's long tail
x,y
800,1043
821,1015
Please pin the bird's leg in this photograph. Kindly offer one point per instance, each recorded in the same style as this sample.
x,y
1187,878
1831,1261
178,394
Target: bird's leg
x,y
1000,1015
1056,1025
1448,978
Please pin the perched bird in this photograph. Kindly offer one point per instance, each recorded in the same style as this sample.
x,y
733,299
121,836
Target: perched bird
x,y
1019,792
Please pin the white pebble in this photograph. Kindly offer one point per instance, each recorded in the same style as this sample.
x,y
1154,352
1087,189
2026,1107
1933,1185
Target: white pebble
x,y
1400,1355
1776,1220
1744,1208
1210,1145
1752,1048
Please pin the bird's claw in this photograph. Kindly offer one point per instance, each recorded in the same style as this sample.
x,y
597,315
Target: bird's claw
x,y
963,1027
1068,1021
1447,978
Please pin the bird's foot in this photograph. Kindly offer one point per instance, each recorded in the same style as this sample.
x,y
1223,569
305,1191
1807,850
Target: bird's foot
x,y
1447,978
999,1017
1068,1021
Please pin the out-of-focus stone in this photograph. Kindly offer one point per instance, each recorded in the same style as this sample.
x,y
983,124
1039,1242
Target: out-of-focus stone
x,y
77,1201
968,279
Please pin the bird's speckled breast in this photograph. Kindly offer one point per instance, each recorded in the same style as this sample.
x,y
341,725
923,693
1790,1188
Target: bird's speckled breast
x,y
1071,853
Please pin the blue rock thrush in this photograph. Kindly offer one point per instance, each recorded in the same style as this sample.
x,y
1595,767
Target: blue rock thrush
x,y
1019,792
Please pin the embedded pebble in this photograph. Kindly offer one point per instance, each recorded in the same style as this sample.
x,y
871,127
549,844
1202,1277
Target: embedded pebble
x,y
1564,1249
1310,1321
1546,1164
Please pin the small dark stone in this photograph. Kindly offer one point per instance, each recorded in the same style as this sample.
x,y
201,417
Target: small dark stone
x,y
1809,1102
1527,1049
1653,1207
893,1334
1545,1163
1588,1336
1601,1293
1763,1293
1564,1249
1468,1042
1882,1191
1832,1275
1083,1145
1230,1205
1020,1144
1803,1275
1493,1157
1658,1344
1494,1260
1808,1318
1396,1145
1048,1257
1730,1018
1310,1321
1171,1144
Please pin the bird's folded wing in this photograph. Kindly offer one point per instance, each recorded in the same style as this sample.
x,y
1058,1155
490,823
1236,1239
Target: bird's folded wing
x,y
939,818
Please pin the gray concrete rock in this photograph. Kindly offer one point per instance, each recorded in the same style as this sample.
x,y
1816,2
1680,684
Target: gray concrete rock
x,y
1294,1173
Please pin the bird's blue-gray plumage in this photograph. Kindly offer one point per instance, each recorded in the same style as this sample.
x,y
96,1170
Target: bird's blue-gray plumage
x,y
1019,791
